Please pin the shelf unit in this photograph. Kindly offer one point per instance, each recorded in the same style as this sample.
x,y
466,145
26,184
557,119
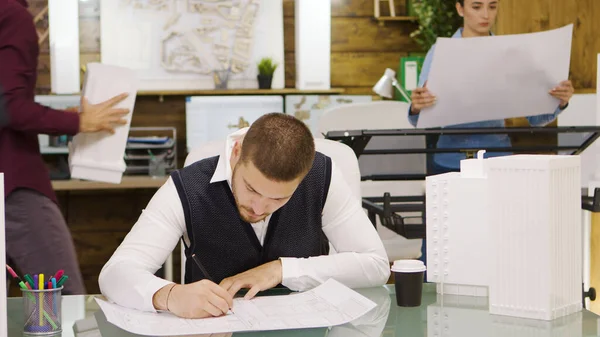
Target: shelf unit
x,y
397,18
383,19
128,182
285,91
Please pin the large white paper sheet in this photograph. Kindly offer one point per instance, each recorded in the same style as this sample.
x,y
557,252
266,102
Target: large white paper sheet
x,y
496,77
327,305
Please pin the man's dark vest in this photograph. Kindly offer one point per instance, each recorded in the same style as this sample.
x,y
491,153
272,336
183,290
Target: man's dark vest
x,y
225,244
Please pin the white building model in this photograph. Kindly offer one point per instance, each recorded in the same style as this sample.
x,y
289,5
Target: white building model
x,y
509,228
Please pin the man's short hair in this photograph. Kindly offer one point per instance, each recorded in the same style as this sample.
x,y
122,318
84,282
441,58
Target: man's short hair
x,y
280,146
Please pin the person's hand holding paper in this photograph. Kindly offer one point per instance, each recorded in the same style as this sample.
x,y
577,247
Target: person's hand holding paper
x,y
421,98
102,116
564,91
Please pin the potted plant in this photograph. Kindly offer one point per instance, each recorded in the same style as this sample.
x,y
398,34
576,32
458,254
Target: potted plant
x,y
266,68
437,18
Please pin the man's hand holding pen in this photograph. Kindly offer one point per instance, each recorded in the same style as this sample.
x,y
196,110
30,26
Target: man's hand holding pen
x,y
207,299
198,300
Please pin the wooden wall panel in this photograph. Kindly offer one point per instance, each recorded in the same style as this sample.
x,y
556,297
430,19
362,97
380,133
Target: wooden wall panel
x,y
353,71
104,211
361,69
361,48
360,34
99,221
585,15
517,16
350,8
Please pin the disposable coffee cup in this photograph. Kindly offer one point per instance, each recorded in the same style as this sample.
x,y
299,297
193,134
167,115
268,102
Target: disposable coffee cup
x,y
409,276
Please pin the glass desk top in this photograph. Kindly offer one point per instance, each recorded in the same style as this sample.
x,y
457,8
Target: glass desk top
x,y
438,316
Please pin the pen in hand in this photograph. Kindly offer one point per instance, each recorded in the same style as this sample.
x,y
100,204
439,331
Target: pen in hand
x,y
202,269
205,272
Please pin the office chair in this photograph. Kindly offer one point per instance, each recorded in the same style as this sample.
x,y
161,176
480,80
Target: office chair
x,y
384,115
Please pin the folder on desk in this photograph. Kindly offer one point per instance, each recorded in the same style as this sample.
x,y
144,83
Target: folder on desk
x,y
99,156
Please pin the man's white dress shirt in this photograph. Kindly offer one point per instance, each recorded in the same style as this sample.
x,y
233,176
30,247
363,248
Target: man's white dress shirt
x,y
360,260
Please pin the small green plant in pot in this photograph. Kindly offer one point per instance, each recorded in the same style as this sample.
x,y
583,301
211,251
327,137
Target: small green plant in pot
x,y
266,68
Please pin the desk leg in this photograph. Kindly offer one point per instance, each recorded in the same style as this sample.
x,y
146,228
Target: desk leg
x,y
373,218
169,268
595,260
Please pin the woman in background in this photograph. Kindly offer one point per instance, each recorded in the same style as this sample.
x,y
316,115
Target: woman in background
x,y
478,19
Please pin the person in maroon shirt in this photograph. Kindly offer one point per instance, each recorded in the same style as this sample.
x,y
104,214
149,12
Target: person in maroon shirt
x,y
37,237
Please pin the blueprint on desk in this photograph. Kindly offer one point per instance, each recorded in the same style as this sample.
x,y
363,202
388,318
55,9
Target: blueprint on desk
x,y
326,305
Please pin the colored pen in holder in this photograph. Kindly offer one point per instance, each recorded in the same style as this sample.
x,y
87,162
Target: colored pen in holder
x,y
42,311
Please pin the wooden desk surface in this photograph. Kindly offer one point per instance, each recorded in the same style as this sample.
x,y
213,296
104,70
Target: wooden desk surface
x,y
128,182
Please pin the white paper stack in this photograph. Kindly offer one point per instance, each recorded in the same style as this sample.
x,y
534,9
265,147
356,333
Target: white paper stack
x,y
99,156
329,304
537,236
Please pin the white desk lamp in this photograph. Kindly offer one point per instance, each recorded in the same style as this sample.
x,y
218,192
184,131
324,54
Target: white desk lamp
x,y
384,86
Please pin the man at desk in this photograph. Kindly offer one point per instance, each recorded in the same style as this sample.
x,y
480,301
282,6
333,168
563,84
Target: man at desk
x,y
256,216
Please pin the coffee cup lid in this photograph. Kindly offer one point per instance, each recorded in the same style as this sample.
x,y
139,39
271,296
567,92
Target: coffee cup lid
x,y
408,266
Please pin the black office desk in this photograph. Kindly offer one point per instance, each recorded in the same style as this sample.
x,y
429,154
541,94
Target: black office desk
x,y
570,140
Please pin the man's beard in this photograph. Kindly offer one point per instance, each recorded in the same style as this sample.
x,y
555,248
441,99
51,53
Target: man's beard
x,y
243,210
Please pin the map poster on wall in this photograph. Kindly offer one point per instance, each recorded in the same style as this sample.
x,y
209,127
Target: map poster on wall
x,y
193,44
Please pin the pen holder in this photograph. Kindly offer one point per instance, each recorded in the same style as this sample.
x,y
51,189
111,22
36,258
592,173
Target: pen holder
x,y
42,310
